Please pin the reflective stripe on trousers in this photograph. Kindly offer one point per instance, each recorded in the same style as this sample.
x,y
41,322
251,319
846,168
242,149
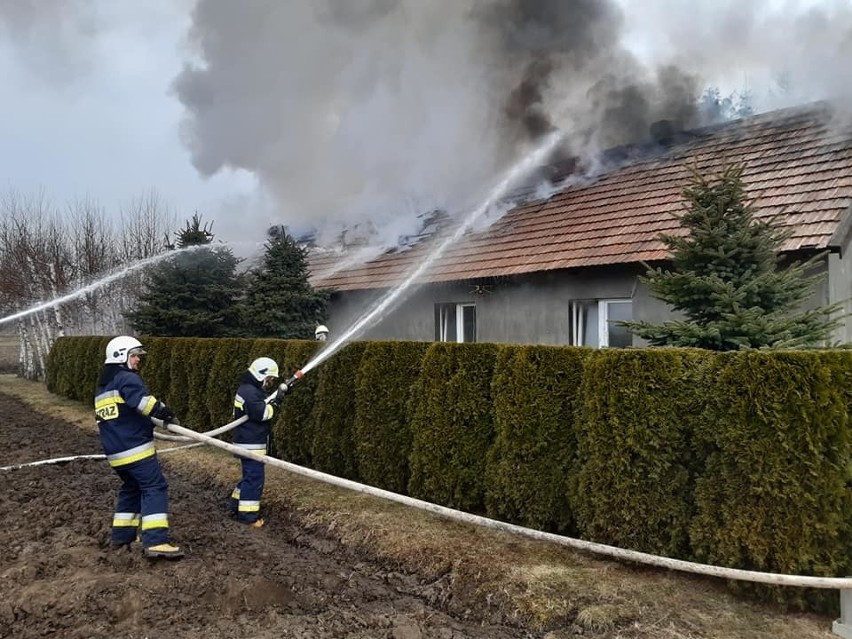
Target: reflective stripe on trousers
x,y
143,491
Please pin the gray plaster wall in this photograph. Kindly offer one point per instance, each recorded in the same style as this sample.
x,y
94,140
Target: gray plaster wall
x,y
530,310
535,309
838,290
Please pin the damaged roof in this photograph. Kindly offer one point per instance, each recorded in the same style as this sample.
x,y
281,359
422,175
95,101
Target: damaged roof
x,y
798,162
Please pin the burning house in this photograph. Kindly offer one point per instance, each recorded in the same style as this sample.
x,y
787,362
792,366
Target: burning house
x,y
563,268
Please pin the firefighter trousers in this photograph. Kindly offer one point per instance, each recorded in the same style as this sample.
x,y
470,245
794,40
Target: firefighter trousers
x,y
143,502
245,499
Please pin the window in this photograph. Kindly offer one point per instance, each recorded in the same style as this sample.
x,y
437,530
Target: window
x,y
610,311
455,322
592,323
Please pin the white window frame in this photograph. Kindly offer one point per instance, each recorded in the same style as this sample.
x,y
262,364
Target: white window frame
x,y
578,322
580,310
459,308
603,318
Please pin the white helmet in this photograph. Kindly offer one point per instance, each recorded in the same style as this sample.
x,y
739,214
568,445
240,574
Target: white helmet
x,y
321,332
263,367
118,349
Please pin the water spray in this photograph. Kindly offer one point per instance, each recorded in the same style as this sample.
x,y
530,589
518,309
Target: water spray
x,y
93,286
522,168
532,161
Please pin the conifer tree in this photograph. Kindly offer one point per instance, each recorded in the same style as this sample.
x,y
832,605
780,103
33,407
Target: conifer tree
x,y
729,280
195,292
280,301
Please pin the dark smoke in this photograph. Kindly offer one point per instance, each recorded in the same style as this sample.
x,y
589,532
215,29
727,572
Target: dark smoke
x,y
356,111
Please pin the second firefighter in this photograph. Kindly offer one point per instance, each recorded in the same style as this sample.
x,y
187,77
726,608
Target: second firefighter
x,y
252,400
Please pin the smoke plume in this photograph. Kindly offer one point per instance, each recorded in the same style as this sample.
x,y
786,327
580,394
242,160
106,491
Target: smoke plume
x,y
50,36
368,114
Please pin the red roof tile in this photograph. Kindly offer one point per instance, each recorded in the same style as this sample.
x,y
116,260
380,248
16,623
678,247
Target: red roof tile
x,y
798,165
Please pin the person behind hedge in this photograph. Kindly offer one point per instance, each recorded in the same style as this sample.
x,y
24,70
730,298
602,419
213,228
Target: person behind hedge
x,y
251,400
123,410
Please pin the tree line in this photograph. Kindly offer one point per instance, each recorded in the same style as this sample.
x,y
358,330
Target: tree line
x,y
198,288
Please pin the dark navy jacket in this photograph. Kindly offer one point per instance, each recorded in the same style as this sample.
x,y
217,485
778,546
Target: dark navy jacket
x,y
250,401
123,406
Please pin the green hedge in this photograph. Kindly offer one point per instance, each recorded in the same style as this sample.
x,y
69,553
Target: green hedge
x,y
196,414
535,390
636,466
382,431
227,367
332,420
292,433
452,425
736,459
774,494
156,366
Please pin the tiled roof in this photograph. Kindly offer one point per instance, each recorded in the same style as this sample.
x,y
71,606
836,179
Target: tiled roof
x,y
798,162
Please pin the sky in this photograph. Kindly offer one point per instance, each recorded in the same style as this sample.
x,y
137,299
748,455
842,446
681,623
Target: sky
x,y
367,114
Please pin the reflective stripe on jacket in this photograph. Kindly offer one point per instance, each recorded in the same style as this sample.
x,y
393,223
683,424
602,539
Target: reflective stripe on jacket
x,y
250,400
122,408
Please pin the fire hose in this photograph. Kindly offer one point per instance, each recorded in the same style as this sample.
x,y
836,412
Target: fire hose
x,y
844,584
275,396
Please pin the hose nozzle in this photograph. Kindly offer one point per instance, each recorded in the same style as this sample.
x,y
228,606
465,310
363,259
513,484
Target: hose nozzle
x,y
290,381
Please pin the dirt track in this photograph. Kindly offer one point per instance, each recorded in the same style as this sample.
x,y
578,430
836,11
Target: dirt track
x,y
59,578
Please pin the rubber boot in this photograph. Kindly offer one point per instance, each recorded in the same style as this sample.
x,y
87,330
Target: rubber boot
x,y
164,551
258,523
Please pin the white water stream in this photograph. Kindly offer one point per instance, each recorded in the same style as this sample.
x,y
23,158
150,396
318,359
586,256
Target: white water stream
x,y
530,162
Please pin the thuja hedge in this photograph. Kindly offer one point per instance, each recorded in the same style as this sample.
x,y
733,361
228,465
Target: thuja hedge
x,y
383,404
774,493
737,459
333,446
535,393
452,425
636,463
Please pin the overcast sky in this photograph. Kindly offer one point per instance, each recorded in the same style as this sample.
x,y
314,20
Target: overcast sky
x,y
359,111
88,108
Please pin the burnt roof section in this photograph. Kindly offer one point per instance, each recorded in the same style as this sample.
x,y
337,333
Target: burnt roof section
x,y
798,163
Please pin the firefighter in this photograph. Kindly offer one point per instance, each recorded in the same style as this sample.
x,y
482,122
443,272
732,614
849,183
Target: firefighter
x,y
123,409
252,400
321,333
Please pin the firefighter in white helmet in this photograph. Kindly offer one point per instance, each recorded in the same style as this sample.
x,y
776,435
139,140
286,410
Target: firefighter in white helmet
x,y
321,333
123,409
253,434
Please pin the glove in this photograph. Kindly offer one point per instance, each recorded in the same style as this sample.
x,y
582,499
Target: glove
x,y
278,395
163,412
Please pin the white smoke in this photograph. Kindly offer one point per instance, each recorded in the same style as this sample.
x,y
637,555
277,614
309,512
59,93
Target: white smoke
x,y
366,115
781,52
50,36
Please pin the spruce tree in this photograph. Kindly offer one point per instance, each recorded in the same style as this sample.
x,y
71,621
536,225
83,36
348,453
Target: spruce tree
x,y
194,293
728,278
280,301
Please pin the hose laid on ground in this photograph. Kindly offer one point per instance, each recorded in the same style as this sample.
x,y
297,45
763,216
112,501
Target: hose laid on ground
x,y
157,435
62,460
578,544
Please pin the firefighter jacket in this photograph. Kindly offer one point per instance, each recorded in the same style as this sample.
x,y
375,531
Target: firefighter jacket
x,y
250,400
123,410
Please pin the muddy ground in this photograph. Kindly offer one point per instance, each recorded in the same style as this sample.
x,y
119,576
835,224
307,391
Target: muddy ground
x,y
59,577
